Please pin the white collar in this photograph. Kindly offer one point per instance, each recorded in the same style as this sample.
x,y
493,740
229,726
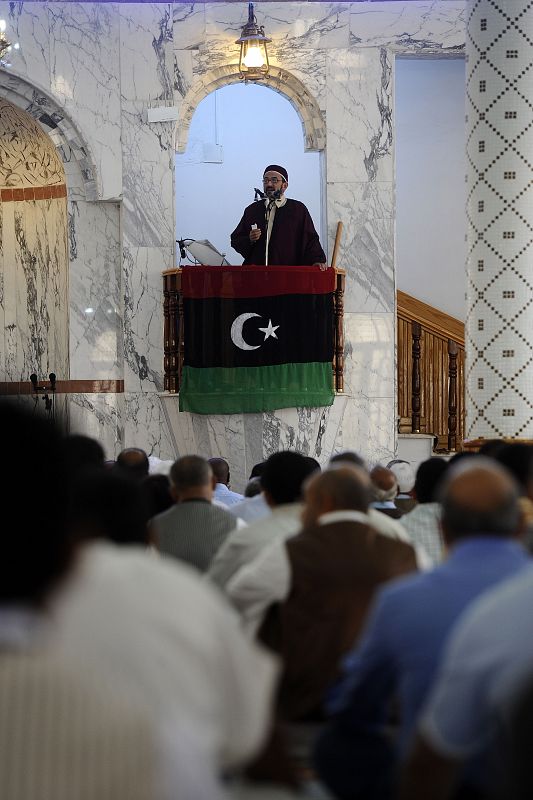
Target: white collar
x,y
344,515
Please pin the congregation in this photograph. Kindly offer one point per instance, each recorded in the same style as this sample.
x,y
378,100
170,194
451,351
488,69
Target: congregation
x,y
342,631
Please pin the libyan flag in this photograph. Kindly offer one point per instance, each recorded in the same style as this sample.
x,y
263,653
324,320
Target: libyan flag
x,y
256,338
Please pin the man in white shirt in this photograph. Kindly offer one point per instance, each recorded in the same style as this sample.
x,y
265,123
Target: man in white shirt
x,y
151,625
282,481
67,731
222,493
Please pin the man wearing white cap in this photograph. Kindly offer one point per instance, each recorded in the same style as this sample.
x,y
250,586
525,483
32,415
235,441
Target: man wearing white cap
x,y
277,230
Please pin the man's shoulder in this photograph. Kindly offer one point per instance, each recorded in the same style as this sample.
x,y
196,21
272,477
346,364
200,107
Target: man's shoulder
x,y
296,206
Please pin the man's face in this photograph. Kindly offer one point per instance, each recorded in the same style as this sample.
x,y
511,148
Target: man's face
x,y
272,182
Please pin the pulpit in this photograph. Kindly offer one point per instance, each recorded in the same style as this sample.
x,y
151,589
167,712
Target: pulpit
x,y
254,338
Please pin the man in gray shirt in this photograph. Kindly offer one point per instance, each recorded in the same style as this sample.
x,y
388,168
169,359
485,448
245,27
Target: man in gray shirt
x,y
193,529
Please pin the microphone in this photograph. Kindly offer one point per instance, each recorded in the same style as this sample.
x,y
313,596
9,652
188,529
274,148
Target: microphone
x,y
33,379
259,195
182,248
277,194
52,381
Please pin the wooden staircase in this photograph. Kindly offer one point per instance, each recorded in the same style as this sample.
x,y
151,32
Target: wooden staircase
x,y
430,379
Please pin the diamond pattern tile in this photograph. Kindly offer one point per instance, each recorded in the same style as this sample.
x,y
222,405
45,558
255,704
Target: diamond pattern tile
x,y
499,328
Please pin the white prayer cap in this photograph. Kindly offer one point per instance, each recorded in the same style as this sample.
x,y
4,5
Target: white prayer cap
x,y
405,474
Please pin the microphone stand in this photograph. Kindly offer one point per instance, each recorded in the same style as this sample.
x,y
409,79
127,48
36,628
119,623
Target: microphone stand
x,y
49,402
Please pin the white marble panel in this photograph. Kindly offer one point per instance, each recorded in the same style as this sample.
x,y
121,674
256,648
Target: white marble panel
x,y
143,316
359,115
84,78
146,52
368,427
367,243
95,291
148,173
27,24
246,439
99,416
369,355
189,25
298,25
183,73
145,425
309,66
437,27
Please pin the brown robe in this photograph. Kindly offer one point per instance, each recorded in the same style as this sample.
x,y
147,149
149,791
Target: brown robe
x,y
293,242
335,571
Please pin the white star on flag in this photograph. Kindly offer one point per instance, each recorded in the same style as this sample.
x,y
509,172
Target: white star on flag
x,y
270,330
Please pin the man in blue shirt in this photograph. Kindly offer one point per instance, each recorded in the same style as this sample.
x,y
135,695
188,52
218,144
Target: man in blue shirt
x,y
399,652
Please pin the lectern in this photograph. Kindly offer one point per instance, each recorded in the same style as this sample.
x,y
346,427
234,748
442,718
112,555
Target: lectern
x,y
254,338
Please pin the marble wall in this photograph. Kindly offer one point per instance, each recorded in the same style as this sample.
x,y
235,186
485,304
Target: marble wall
x,y
99,68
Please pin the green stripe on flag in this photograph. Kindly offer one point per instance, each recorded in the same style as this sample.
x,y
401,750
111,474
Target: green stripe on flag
x,y
233,390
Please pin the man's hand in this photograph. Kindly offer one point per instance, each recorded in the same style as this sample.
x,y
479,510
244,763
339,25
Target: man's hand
x,y
323,266
255,234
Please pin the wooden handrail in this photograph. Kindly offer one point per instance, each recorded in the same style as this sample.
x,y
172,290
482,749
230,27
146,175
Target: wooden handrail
x,y
430,372
431,319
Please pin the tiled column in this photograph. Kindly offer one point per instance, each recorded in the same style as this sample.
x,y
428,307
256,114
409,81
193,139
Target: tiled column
x,y
499,111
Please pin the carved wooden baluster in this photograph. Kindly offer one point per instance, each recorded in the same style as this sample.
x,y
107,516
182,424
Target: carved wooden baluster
x,y
416,332
452,394
338,363
173,348
179,329
166,333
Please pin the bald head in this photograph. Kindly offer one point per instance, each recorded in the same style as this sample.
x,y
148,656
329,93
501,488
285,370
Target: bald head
x,y
342,488
384,484
479,497
191,477
134,462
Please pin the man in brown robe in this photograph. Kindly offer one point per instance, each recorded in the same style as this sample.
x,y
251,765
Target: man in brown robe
x,y
276,229
336,564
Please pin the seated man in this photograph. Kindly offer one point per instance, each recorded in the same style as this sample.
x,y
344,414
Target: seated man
x,y
488,662
222,493
282,480
403,642
64,732
194,528
329,573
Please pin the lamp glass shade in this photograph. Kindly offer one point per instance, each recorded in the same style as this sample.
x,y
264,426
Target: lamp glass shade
x,y
253,55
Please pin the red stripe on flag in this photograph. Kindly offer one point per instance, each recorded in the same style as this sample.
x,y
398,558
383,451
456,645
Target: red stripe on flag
x,y
250,281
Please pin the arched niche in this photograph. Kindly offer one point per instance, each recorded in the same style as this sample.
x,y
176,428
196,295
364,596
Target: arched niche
x,y
72,148
34,267
279,80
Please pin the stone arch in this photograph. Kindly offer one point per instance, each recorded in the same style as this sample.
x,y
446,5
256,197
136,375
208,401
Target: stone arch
x,y
72,148
313,124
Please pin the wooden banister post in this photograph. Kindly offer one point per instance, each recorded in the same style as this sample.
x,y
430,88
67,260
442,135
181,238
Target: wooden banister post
x,y
452,394
171,340
338,356
416,331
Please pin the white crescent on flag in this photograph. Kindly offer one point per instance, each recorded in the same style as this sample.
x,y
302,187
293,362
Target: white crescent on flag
x,y
236,332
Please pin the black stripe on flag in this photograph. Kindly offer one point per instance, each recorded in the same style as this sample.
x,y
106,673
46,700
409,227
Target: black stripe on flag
x,y
227,332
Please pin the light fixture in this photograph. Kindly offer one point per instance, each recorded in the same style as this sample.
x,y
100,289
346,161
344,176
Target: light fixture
x,y
5,45
253,61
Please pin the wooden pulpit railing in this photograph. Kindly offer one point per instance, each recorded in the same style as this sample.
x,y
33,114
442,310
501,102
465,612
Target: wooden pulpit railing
x,y
173,330
431,352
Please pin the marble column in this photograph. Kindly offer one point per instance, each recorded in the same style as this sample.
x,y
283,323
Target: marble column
x,y
499,401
